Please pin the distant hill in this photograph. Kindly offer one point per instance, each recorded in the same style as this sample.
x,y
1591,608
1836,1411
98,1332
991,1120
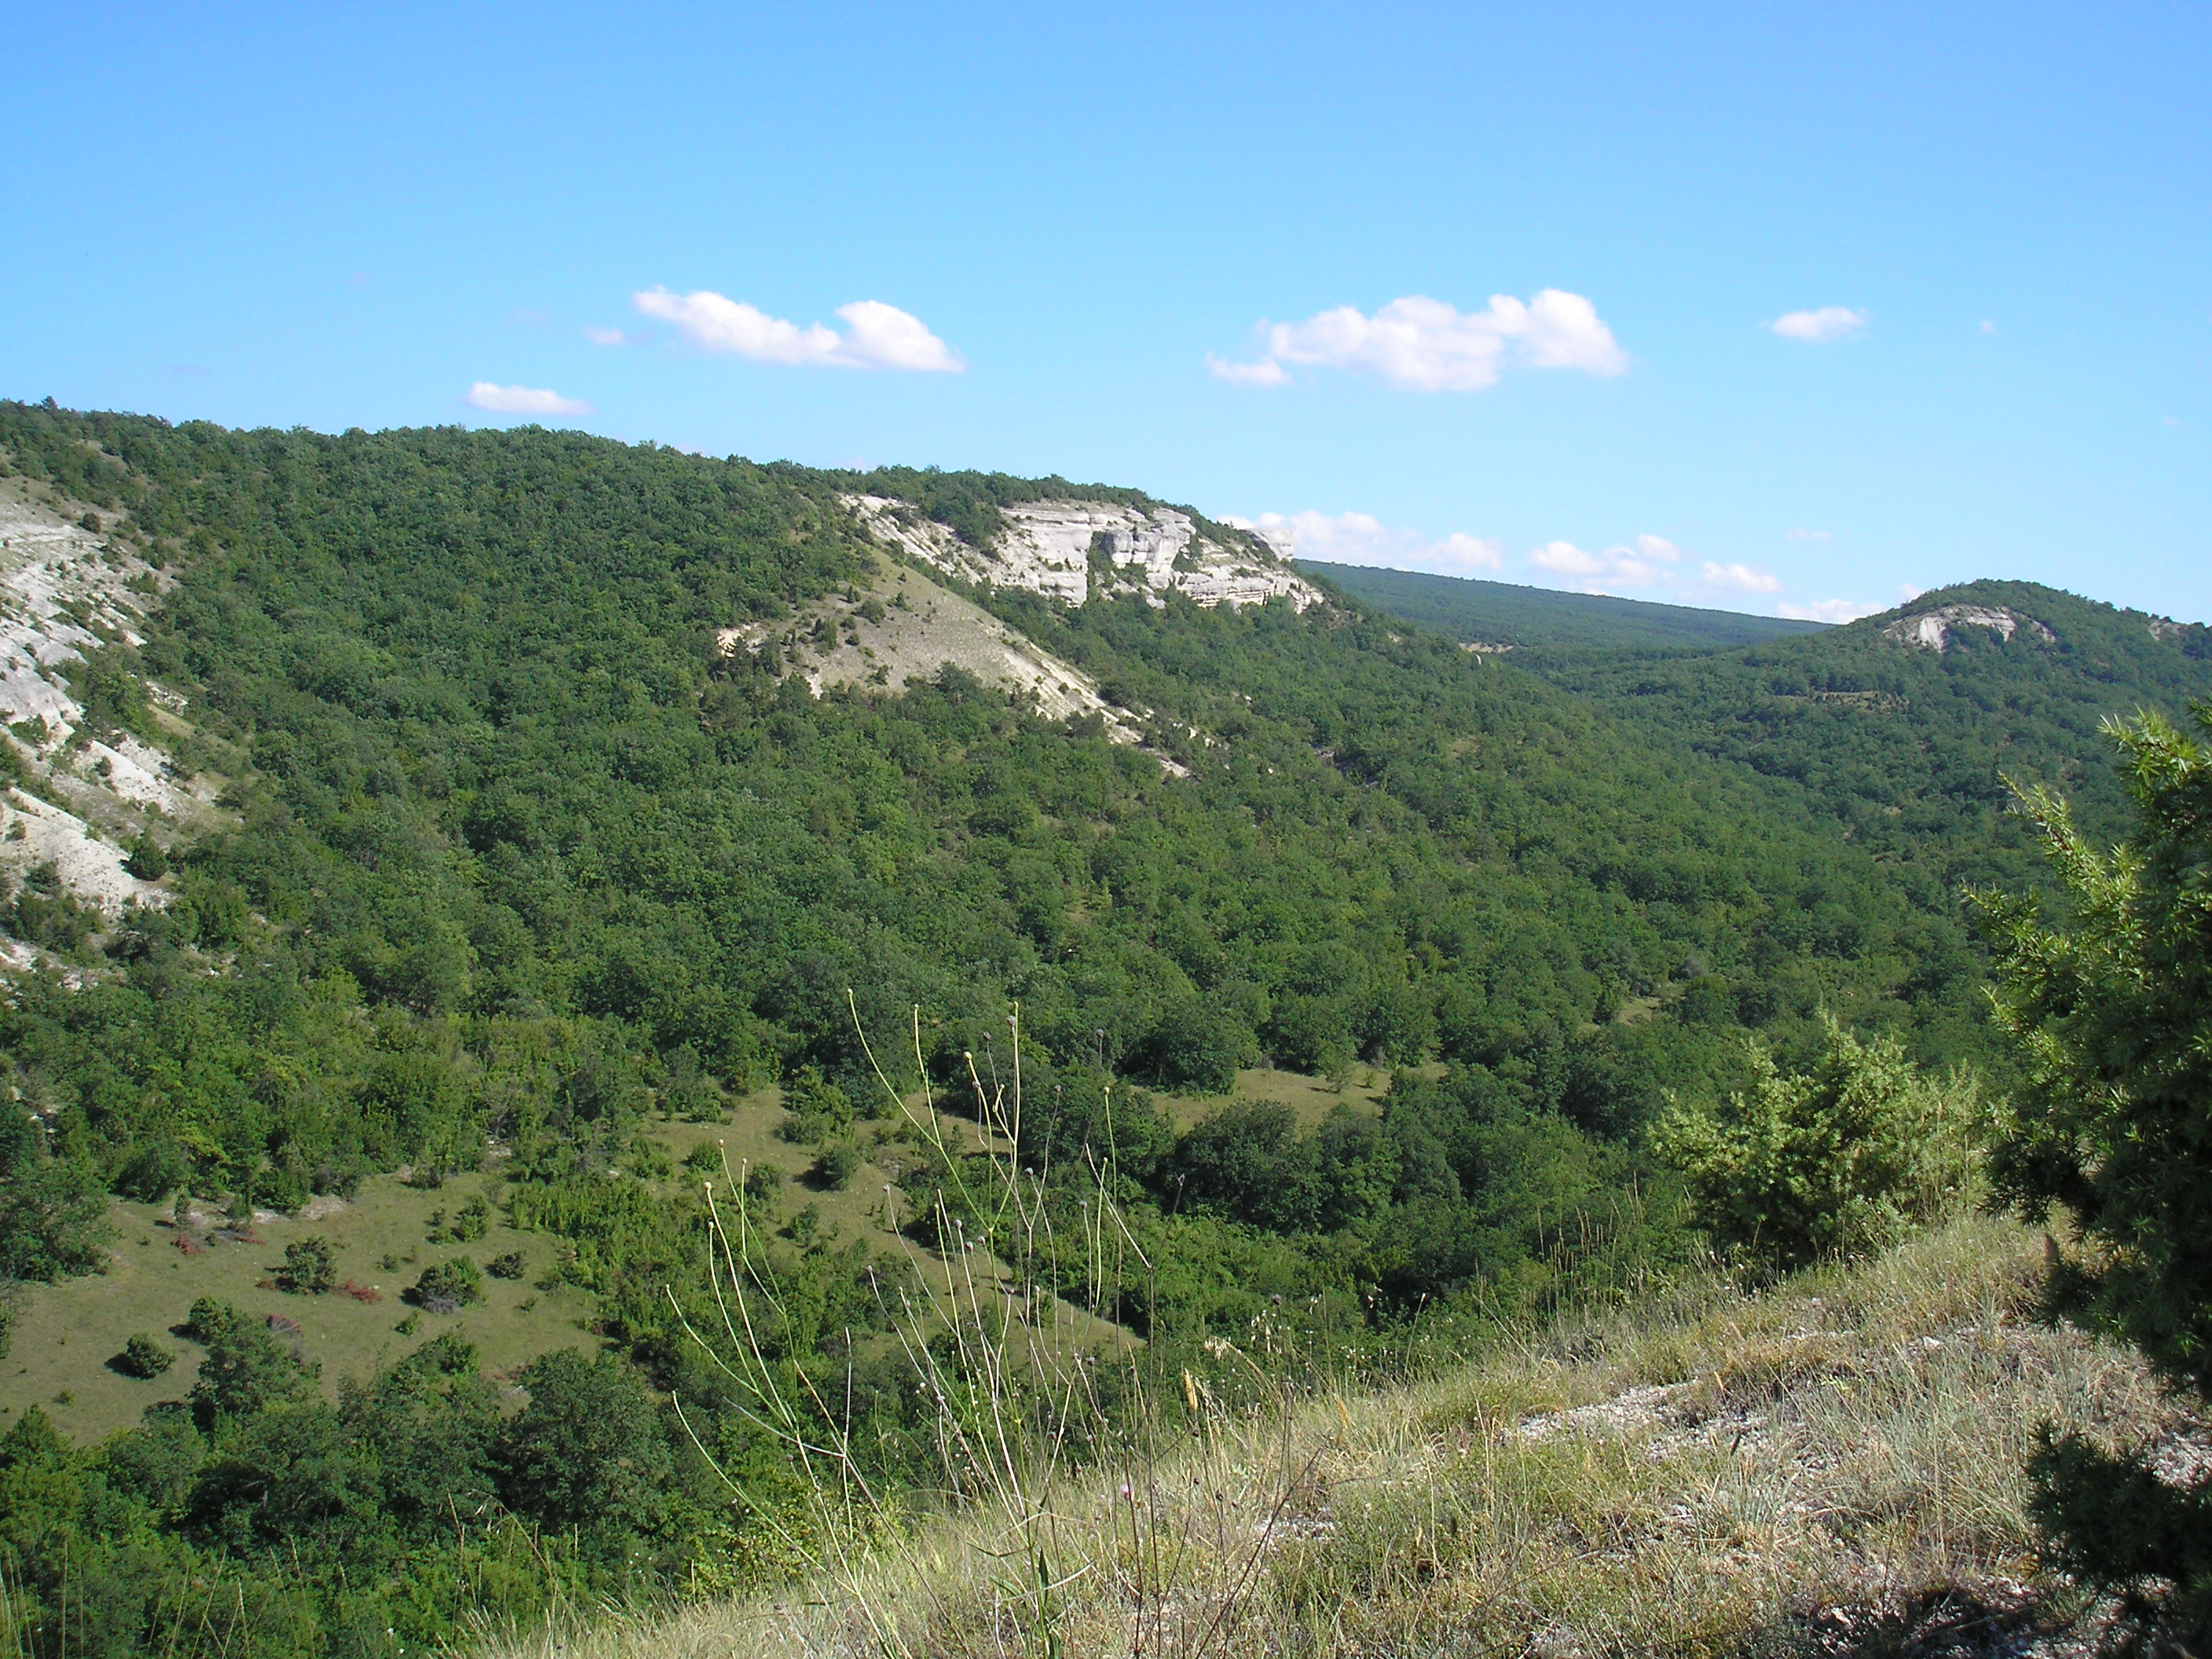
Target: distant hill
x,y
1539,619
1902,728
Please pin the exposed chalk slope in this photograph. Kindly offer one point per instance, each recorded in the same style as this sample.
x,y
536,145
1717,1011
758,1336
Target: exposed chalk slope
x,y
1075,550
68,588
902,626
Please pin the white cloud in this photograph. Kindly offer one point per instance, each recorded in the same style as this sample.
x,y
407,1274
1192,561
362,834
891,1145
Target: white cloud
x,y
1989,325
1816,327
1429,346
1362,539
1740,579
1459,551
1649,565
1826,610
1566,559
878,335
610,337
1265,371
1812,535
524,400
1638,565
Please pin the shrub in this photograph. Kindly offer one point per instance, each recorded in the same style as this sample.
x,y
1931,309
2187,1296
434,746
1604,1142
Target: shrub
x,y
1248,1163
142,1357
247,1369
209,1320
152,1172
763,1188
1844,1160
309,1268
509,1266
835,1166
448,1286
147,861
1196,1047
820,1111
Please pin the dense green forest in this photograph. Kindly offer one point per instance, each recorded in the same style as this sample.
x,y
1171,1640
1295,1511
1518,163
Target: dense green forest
x,y
1907,749
1546,625
524,862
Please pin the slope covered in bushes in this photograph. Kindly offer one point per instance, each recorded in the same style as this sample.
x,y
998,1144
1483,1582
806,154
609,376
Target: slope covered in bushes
x,y
525,854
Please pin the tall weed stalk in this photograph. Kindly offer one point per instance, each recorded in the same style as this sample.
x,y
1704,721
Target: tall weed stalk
x,y
1027,1389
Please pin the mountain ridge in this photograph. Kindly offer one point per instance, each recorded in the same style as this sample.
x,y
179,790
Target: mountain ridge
x,y
1487,615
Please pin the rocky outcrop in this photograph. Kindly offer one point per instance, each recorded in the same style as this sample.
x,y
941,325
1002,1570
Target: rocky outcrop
x,y
1074,550
68,585
1934,630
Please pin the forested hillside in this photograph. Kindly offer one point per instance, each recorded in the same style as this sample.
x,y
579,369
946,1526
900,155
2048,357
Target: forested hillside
x,y
1547,624
1899,729
501,774
1903,728
526,851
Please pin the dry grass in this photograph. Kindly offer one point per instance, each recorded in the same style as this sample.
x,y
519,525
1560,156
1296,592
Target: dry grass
x,y
1707,1475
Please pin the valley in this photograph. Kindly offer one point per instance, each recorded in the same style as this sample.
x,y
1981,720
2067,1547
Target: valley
x,y
1090,958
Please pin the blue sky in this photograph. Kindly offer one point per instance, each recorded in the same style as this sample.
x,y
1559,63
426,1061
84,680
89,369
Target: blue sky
x,y
1168,246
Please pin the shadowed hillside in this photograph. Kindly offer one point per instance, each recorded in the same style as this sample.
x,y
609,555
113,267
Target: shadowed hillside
x,y
1542,621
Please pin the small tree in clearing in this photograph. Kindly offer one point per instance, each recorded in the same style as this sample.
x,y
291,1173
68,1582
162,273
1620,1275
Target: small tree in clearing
x,y
309,1268
448,1286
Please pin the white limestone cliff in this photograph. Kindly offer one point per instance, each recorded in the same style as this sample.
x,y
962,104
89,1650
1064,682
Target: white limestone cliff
x,y
1074,550
1934,630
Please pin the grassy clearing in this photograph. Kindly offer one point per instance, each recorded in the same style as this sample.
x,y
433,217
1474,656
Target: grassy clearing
x,y
1309,1099
1710,1473
68,1332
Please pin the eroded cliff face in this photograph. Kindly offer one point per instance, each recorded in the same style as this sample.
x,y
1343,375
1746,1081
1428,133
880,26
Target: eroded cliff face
x,y
1934,630
1073,552
85,792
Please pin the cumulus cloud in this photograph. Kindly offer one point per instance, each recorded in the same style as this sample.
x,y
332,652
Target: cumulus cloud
x,y
1362,539
1740,579
1427,345
1649,566
1265,371
877,336
610,337
524,400
1640,564
1826,610
1817,327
